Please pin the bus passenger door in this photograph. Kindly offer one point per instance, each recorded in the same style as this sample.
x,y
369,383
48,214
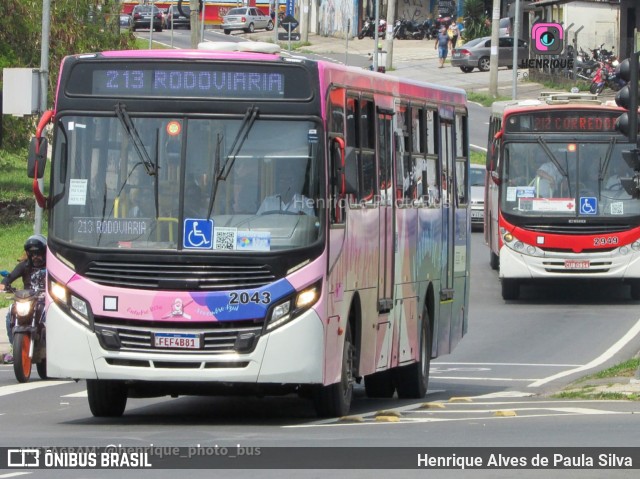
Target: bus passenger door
x,y
386,236
448,234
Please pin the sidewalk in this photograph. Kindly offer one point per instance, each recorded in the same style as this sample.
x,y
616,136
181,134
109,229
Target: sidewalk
x,y
417,60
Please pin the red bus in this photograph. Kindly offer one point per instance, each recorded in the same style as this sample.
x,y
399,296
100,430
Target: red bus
x,y
555,205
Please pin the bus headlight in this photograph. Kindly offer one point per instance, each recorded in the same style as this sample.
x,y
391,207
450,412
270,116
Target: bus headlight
x,y
75,306
521,247
293,306
635,246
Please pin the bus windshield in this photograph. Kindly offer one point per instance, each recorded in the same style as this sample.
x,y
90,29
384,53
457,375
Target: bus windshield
x,y
566,179
185,183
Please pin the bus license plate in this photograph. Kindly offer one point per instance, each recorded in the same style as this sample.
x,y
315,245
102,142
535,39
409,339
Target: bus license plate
x,y
176,341
576,264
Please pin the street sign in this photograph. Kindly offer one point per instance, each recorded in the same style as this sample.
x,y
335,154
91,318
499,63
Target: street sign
x,y
289,23
284,36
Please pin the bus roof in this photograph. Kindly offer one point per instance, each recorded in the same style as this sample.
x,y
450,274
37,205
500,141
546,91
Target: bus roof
x,y
551,101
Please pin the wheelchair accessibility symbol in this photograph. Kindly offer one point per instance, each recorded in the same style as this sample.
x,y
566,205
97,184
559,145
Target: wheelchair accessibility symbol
x,y
588,205
198,234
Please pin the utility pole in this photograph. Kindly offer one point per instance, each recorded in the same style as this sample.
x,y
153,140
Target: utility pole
x,y
388,42
195,23
516,37
44,89
376,36
493,67
304,21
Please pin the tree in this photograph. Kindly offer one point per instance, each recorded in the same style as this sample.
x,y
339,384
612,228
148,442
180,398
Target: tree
x,y
78,26
476,22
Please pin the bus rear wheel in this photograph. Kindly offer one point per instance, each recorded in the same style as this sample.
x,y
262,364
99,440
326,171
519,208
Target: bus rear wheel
x,y
412,380
335,400
106,398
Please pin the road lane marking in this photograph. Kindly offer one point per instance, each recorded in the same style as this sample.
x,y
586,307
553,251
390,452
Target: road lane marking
x,y
466,378
608,354
544,365
20,388
79,394
14,474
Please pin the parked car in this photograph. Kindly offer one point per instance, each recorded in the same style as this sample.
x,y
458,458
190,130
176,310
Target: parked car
x,y
477,54
476,182
247,19
177,20
505,27
142,15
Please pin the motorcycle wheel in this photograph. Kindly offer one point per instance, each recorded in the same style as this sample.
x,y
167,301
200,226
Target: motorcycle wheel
x,y
593,88
21,359
41,367
360,36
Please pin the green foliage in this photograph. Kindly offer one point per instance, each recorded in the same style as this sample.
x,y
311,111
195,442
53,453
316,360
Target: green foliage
x,y
77,26
476,23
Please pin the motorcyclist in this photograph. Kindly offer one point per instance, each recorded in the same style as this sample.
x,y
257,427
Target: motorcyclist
x,y
31,270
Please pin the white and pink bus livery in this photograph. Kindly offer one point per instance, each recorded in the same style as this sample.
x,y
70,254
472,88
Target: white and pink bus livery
x,y
249,220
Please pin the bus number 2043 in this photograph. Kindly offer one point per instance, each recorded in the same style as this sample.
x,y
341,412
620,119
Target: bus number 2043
x,y
246,298
605,241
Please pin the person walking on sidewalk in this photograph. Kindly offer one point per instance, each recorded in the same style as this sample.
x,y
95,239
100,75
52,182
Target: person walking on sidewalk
x,y
453,34
442,45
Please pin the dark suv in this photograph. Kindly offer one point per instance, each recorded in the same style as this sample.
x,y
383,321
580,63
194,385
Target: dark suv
x,y
176,20
142,15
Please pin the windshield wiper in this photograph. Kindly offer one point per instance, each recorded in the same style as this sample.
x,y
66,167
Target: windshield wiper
x,y
552,157
216,172
607,159
243,132
127,124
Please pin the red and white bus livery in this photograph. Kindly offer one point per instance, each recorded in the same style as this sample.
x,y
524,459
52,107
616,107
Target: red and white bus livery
x,y
556,207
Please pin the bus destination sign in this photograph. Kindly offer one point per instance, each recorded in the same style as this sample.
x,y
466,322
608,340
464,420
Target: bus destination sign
x,y
175,80
570,121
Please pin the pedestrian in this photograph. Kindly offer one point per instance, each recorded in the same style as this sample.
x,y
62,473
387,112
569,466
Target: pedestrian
x,y
453,34
442,45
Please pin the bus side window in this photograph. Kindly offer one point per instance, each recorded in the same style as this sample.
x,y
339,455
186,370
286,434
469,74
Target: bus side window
x,y
336,129
461,157
367,157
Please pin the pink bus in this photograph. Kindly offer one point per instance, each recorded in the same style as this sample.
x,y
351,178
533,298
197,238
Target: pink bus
x,y
255,222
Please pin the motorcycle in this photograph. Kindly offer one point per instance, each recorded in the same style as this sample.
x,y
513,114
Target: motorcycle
x,y
409,30
368,29
28,327
607,75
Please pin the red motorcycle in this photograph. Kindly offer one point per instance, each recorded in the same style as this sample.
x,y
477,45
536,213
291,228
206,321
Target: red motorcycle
x,y
606,76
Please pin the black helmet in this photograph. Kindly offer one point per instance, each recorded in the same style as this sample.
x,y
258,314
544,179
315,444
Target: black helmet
x,y
36,249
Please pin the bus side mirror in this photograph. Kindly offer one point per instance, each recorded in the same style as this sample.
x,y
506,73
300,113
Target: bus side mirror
x,y
37,157
351,171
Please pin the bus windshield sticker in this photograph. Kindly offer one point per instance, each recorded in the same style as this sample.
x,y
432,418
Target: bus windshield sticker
x,y
254,240
617,208
225,238
553,205
515,192
198,233
77,192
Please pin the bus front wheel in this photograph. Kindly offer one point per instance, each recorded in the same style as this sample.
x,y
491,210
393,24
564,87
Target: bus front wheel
x,y
106,398
335,400
510,289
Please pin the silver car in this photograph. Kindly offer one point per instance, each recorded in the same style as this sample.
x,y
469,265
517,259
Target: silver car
x,y
247,19
476,182
477,54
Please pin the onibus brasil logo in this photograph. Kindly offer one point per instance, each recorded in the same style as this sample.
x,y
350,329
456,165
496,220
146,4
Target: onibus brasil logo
x,y
547,38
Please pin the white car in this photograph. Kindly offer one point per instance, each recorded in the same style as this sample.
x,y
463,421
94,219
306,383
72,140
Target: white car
x,y
247,19
476,182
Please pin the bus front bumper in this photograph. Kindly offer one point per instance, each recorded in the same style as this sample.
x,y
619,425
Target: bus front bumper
x,y
291,354
570,265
